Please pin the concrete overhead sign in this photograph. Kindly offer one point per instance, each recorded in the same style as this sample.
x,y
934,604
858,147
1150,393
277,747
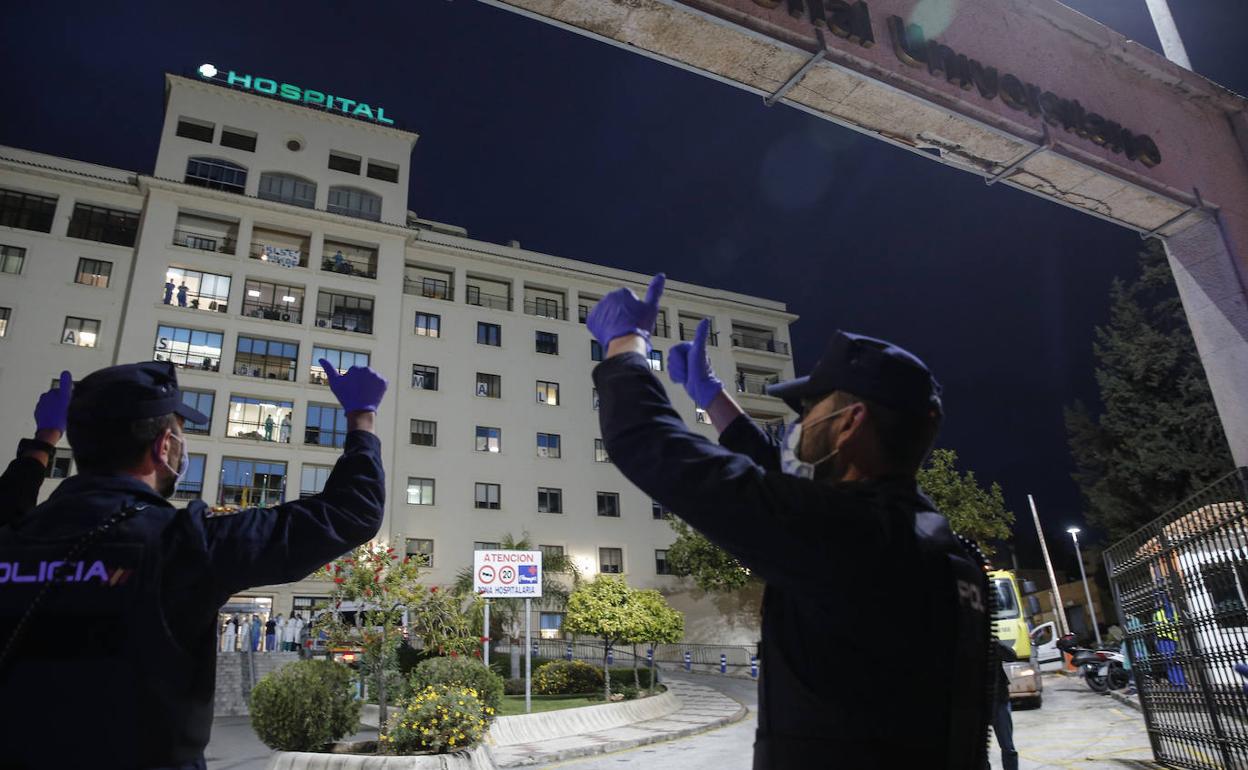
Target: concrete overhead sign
x,y
507,574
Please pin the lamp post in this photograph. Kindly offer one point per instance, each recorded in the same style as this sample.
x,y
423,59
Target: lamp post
x,y
1074,535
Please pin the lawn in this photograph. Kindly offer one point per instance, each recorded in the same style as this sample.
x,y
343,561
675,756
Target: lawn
x,y
514,704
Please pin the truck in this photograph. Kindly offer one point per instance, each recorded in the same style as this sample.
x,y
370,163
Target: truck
x,y
1026,686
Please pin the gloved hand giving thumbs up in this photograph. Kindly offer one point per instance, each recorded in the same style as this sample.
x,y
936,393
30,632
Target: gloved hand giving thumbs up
x,y
620,313
359,390
689,365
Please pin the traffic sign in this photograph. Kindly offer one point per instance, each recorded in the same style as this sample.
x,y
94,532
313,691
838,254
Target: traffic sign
x,y
507,574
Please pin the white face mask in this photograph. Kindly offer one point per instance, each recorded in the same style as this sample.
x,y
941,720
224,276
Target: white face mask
x,y
791,443
184,463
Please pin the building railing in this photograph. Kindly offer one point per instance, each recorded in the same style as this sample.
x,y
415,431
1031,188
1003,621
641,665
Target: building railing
x,y
545,309
687,333
349,266
759,342
350,322
755,383
213,303
422,288
286,312
189,239
662,329
249,497
479,298
283,256
737,658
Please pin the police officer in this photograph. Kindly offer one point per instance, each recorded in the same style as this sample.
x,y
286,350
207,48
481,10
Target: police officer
x,y
108,554
876,639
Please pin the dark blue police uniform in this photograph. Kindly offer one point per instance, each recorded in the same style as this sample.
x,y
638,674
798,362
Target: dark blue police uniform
x,y
874,631
116,667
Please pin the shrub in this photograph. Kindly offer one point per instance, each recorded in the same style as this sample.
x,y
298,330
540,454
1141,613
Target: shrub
x,y
304,705
624,675
566,677
461,672
501,666
438,719
513,687
394,686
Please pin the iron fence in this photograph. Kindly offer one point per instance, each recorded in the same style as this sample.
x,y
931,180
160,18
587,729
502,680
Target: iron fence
x,y
1180,584
702,657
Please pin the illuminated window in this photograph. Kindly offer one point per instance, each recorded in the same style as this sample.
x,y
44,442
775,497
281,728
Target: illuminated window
x,y
428,325
424,377
93,272
611,560
548,393
259,419
188,348
266,359
251,483
203,291
600,452
489,439
342,360
489,385
274,302
419,491
548,445
422,549
656,360
12,259
81,332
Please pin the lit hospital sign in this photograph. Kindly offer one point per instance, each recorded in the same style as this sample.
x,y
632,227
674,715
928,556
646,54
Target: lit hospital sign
x,y
296,94
507,574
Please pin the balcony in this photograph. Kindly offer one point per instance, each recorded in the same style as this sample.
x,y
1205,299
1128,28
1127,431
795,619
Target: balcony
x,y
755,384
219,244
429,288
249,497
689,329
212,302
662,329
474,296
754,341
546,308
349,260
282,256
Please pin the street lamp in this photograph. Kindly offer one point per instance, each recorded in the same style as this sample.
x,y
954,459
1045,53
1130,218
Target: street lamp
x,y
1074,535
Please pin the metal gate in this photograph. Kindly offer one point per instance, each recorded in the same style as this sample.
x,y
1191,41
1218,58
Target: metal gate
x,y
1180,584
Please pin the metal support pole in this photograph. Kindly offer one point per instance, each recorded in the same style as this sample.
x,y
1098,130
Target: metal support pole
x,y
528,656
1168,33
801,73
1045,144
1074,534
485,634
1059,610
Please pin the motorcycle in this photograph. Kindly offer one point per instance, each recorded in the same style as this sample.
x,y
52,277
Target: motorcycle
x,y
1103,670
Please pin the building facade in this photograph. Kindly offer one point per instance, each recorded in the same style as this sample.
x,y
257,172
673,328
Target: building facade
x,y
273,234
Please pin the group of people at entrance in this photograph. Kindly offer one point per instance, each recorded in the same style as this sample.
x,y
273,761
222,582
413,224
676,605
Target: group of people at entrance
x,y
257,635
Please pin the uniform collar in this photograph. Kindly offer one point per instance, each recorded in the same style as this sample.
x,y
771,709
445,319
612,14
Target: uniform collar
x,y
120,485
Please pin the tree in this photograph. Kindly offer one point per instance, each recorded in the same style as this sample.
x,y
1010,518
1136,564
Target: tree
x,y
656,622
604,608
711,567
974,512
1157,438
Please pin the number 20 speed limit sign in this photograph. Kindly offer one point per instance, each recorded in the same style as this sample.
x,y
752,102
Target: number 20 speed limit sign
x,y
507,574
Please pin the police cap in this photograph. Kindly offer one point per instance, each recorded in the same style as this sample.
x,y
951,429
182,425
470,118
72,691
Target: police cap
x,y
868,368
129,392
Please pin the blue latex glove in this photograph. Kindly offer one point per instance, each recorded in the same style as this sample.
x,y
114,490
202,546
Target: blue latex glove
x,y
688,365
359,390
53,406
1242,670
621,313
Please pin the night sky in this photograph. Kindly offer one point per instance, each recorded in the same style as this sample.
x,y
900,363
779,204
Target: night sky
x,y
579,149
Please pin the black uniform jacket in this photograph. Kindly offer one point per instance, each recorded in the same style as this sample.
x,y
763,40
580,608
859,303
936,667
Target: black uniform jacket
x,y
858,632
117,668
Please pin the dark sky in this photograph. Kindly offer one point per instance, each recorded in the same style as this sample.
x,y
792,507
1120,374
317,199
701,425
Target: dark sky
x,y
582,150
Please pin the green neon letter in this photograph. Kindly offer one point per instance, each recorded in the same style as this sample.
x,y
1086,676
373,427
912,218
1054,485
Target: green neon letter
x,y
381,117
363,110
290,92
265,86
239,80
346,104
313,97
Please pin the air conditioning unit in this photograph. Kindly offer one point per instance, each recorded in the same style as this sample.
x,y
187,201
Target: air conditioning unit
x,y
543,451
322,322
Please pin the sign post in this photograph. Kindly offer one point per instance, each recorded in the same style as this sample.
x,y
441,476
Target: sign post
x,y
510,575
485,635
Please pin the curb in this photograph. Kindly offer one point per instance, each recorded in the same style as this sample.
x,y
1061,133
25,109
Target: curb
x,y
1126,700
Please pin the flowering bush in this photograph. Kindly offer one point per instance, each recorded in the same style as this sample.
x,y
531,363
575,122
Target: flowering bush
x,y
566,677
438,719
459,672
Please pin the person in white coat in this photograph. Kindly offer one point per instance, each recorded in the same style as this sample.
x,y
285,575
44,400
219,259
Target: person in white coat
x,y
231,633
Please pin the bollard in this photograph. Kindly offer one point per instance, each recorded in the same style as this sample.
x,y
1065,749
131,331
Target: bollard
x,y
754,667
723,663
568,654
535,648
688,661
610,655
650,657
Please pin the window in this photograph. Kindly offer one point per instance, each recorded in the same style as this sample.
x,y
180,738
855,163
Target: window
x,y
609,504
700,416
419,491
345,312
93,272
287,188
656,360
216,174
12,258
611,560
594,399
550,500
340,161
312,479
81,332
1225,583
351,202
424,377
489,439
551,625
349,259
306,605
188,348
209,292
201,401
200,131
548,393
661,567
658,511
27,212
191,487
383,171
546,307
422,549
238,139
547,342
251,483
428,325
5,314
489,385
96,223
489,334
595,350
548,445
484,545
273,301
487,496
600,452
550,553
424,286
342,360
424,432
260,419
60,468
326,426
266,359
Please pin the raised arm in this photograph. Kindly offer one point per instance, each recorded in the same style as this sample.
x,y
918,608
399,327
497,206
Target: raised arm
x,y
20,482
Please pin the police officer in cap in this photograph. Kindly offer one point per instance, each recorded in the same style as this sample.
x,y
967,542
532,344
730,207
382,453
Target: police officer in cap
x,y
140,581
875,635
